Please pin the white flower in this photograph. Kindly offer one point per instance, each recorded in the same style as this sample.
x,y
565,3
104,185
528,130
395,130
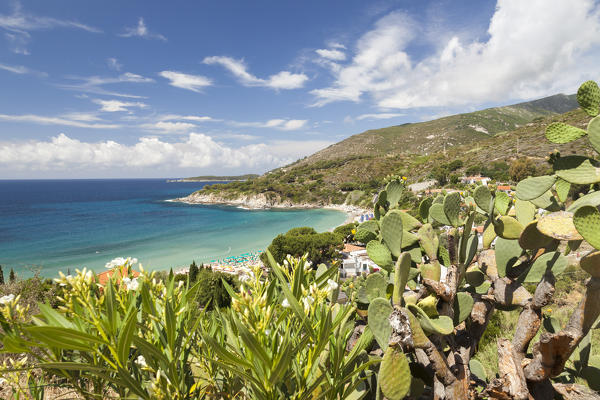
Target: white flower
x,y
141,361
7,299
267,332
307,301
116,262
2,381
331,284
131,284
285,303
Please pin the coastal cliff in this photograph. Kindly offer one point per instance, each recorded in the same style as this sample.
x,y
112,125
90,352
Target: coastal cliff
x,y
251,201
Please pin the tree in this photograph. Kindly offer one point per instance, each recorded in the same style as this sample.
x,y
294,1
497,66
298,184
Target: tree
x,y
521,168
498,170
321,247
193,272
1,276
440,174
212,292
346,231
11,276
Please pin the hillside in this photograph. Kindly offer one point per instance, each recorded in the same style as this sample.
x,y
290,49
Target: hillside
x,y
353,169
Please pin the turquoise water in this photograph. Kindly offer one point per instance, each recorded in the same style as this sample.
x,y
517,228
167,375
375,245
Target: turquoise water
x,y
48,226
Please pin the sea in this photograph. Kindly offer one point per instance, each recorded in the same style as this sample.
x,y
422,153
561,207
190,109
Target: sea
x,y
47,226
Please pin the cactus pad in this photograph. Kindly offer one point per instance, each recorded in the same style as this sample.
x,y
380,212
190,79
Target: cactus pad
x,y
370,225
436,211
380,254
431,271
577,169
594,133
429,240
502,203
559,225
559,132
419,338
489,234
524,211
590,263
364,236
439,199
472,245
547,202
391,232
587,222
532,188
376,286
408,221
394,374
474,276
562,189
452,208
588,97
507,254
477,369
442,325
482,197
551,324
408,239
553,261
429,305
532,239
424,208
394,191
590,199
508,227
379,321
463,304
401,273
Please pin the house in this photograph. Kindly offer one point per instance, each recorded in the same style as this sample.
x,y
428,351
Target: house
x,y
104,277
475,179
355,261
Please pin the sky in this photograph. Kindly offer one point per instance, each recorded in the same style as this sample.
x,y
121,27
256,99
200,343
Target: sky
x,y
149,88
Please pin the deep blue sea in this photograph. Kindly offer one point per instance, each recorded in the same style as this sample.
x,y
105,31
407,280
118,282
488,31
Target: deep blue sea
x,y
53,225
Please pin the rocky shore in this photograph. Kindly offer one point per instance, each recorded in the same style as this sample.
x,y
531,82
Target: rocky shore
x,y
262,202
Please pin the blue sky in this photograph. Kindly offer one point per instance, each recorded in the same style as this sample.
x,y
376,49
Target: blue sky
x,y
164,89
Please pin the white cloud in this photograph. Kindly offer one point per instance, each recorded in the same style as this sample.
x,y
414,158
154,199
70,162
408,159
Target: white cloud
x,y
117,105
21,70
62,153
141,30
195,118
114,64
281,80
194,83
93,84
519,59
331,54
379,116
65,121
167,127
18,25
281,124
82,116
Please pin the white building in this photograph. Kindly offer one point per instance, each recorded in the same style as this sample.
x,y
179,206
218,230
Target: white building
x,y
356,262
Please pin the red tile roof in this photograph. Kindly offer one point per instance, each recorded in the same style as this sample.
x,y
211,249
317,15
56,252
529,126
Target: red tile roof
x,y
351,247
103,277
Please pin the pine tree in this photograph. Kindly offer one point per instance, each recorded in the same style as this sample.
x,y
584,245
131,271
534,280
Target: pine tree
x,y
1,276
11,277
193,273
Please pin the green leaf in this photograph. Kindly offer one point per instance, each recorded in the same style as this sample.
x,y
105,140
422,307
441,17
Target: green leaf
x,y
553,261
532,188
577,169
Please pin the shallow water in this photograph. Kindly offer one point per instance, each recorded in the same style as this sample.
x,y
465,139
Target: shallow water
x,y
52,225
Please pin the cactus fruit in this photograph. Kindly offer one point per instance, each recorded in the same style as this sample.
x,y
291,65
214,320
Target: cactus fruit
x,y
489,234
429,240
559,132
379,323
553,261
436,211
590,263
587,220
502,203
532,188
391,232
482,197
477,369
376,286
380,254
451,207
524,211
588,97
532,239
431,271
463,304
594,133
364,236
424,209
474,276
507,254
394,374
590,199
559,225
508,227
577,169
394,192
442,325
401,273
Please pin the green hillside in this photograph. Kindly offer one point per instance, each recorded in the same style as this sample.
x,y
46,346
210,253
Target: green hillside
x,y
354,168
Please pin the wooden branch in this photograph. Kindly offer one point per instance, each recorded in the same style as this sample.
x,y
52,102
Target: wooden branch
x,y
553,350
511,382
